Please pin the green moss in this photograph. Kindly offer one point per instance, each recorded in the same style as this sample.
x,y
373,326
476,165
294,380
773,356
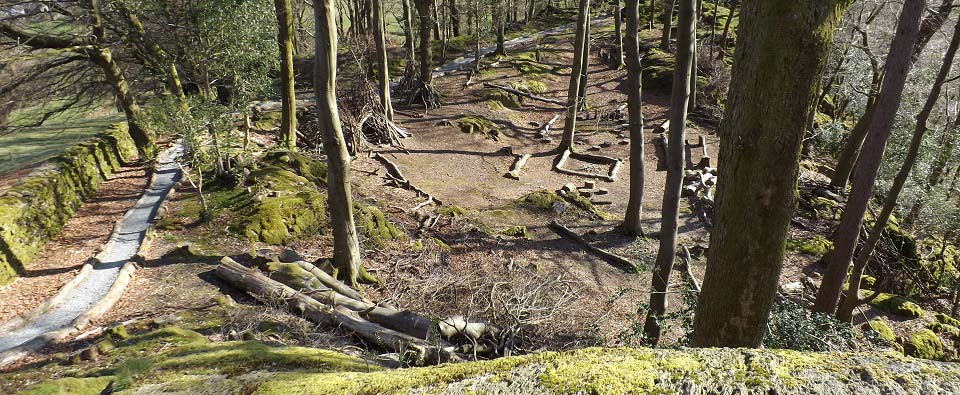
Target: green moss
x,y
867,282
452,211
896,304
306,167
530,86
501,99
299,210
881,329
266,121
542,200
924,344
292,275
817,246
35,209
118,332
371,222
530,67
946,319
440,244
478,124
945,329
517,231
70,386
657,69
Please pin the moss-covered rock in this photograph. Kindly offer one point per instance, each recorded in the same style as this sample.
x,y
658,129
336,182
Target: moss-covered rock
x,y
542,200
924,344
657,69
519,231
371,222
452,211
35,209
880,329
947,330
499,99
285,206
71,386
306,167
817,246
867,282
480,125
898,305
946,319
530,86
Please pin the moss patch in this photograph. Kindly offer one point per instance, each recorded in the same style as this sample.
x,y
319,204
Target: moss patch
x,y
371,222
498,99
947,320
881,329
517,231
480,125
924,344
947,330
542,200
817,246
452,211
286,206
34,210
896,304
530,86
71,386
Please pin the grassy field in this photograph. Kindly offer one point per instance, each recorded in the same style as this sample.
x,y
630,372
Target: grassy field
x,y
25,146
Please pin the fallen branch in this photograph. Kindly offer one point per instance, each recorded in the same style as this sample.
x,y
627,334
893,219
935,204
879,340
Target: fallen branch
x,y
545,130
620,262
403,182
611,175
687,261
517,165
524,94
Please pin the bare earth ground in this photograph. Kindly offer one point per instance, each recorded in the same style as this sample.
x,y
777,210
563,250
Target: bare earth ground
x,y
81,238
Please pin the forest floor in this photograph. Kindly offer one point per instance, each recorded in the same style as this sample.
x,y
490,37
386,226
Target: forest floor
x,y
547,285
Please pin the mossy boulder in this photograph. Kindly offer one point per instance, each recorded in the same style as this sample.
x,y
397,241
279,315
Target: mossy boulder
x,y
947,320
867,282
542,200
949,331
304,166
518,231
530,86
452,211
817,246
657,69
499,99
35,209
898,305
285,207
924,344
372,223
477,124
880,329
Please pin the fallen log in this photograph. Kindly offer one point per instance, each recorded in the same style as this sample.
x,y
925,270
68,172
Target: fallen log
x,y
517,165
524,94
616,260
331,282
663,127
687,261
545,130
255,283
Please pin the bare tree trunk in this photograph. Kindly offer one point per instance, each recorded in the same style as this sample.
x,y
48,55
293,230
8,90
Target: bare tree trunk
x,y
667,254
426,48
666,17
888,102
436,20
726,28
931,24
852,298
618,35
781,46
585,67
499,16
379,32
454,18
288,98
652,12
346,250
692,102
410,45
634,214
573,92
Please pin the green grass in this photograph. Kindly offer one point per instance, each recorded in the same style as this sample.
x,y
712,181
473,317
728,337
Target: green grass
x,y
24,146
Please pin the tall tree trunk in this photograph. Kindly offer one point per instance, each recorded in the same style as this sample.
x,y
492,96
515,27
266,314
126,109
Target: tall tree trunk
x,y
454,18
476,34
852,298
634,213
781,46
888,102
426,49
726,28
379,32
692,102
652,13
410,44
436,21
346,250
573,91
288,98
931,24
618,35
139,33
666,17
531,10
499,16
141,135
667,254
584,68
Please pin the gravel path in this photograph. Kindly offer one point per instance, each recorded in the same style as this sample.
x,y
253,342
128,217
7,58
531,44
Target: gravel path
x,y
120,249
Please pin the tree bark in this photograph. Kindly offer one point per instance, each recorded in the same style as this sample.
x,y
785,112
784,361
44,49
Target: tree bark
x,y
346,250
930,25
667,254
585,67
573,91
666,17
692,102
726,28
852,299
288,98
499,16
410,45
426,50
454,18
379,32
888,102
634,213
142,137
618,36
781,46
652,12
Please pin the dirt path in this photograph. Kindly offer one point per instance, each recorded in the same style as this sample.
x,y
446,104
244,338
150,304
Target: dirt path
x,y
81,237
122,246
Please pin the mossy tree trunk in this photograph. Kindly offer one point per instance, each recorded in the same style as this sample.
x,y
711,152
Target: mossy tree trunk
x,y
634,213
781,47
666,18
346,250
141,135
379,32
618,35
288,98
667,254
888,102
159,54
410,44
573,91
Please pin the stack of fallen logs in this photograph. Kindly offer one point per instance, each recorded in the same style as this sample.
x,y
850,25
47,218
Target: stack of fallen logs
x,y
417,339
589,190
